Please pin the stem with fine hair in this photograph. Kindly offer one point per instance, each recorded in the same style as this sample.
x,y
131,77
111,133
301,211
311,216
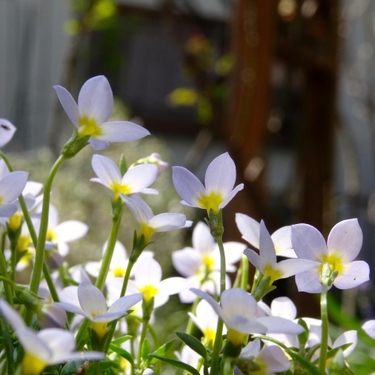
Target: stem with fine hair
x,y
324,336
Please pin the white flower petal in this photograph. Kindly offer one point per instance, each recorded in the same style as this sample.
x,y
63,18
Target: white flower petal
x,y
139,208
284,307
70,230
167,221
124,304
251,350
122,131
11,316
148,272
211,301
34,345
276,324
73,309
7,130
308,242
202,240
275,359
12,185
68,103
266,247
233,251
8,210
249,228
355,273
95,100
106,169
369,328
291,267
236,301
187,185
57,340
97,144
254,259
282,239
348,337
231,195
308,282
186,261
91,299
220,174
346,238
140,177
173,285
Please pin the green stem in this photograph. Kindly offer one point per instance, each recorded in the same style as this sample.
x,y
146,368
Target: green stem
x,y
324,336
39,250
145,321
217,348
116,221
3,269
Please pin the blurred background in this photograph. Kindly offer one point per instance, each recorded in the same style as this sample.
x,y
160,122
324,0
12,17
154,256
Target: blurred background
x,y
286,86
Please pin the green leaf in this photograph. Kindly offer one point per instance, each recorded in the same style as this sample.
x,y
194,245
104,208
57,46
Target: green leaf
x,y
162,350
72,367
121,340
146,349
193,343
122,352
176,363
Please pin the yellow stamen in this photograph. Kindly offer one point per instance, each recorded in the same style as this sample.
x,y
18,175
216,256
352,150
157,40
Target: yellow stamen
x,y
100,328
149,291
269,271
15,221
211,201
235,337
117,188
32,365
335,262
88,126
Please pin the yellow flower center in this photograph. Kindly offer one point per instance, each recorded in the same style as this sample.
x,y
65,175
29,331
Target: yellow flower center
x,y
148,291
100,328
269,271
23,243
335,262
88,126
1,200
51,235
118,272
209,335
117,188
147,231
235,337
15,221
32,365
209,262
211,201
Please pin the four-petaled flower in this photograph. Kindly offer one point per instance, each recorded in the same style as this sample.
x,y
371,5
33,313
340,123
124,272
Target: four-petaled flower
x,y
90,114
135,180
92,305
218,191
49,346
343,245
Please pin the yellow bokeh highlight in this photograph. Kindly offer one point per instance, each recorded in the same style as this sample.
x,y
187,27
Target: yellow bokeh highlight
x,y
118,272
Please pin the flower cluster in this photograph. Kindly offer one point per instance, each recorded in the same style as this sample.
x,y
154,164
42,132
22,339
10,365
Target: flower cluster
x,y
99,317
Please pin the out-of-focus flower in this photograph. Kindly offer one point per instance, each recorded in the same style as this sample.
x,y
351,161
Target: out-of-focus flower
x,y
281,239
219,188
135,180
269,360
148,280
11,187
47,347
92,305
200,264
7,130
343,245
154,158
151,223
90,115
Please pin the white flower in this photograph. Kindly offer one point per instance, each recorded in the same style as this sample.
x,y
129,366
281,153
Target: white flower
x,y
270,360
238,311
90,115
92,305
135,180
218,191
47,347
7,130
151,223
343,245
281,239
266,261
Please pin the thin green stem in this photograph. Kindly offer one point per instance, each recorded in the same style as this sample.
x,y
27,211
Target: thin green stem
x,y
325,334
39,250
3,269
217,348
145,321
116,221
